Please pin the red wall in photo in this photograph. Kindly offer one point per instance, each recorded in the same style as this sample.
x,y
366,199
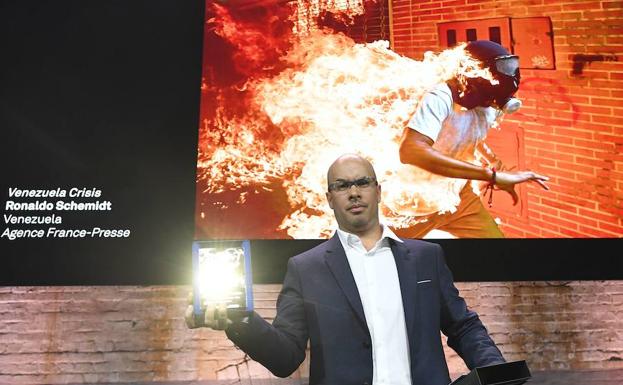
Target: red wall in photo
x,y
570,126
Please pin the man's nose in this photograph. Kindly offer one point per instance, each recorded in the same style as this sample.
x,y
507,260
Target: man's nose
x,y
354,191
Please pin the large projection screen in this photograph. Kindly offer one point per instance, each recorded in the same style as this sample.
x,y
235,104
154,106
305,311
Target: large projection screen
x,y
154,108
289,86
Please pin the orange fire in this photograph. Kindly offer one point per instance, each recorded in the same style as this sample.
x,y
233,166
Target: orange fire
x,y
333,96
307,12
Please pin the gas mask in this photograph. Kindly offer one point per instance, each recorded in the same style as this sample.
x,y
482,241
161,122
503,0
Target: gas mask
x,y
505,70
480,92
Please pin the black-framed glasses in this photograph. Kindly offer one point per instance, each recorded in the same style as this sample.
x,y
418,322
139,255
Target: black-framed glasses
x,y
344,185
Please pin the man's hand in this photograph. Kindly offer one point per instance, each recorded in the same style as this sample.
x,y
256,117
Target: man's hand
x,y
214,316
506,181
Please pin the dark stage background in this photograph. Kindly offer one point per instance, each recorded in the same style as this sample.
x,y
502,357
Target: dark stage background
x,y
105,94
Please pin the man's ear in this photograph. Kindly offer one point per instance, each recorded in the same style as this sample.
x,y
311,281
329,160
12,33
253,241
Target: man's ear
x,y
329,199
378,191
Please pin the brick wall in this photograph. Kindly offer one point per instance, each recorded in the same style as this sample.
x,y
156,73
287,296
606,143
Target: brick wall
x,y
571,125
131,334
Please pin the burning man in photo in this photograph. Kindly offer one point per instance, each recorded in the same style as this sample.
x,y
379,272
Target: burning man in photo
x,y
446,135
283,94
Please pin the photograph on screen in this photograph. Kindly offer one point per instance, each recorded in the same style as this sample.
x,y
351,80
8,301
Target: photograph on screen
x,y
288,86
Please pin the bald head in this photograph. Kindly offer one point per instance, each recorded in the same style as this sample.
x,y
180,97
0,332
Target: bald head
x,y
346,162
356,207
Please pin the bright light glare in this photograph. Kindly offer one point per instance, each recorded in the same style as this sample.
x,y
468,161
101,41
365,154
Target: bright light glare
x,y
220,276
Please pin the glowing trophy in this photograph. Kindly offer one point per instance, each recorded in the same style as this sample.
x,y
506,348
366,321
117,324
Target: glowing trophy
x,y
221,278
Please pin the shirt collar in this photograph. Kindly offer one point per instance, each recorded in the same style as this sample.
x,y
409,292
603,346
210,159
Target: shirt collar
x,y
350,239
388,233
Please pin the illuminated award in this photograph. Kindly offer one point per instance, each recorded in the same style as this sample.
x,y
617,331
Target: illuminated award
x,y
222,275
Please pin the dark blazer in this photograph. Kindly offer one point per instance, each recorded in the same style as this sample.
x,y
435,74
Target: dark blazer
x,y
319,301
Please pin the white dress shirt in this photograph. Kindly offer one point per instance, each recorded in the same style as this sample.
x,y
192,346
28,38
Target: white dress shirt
x,y
376,277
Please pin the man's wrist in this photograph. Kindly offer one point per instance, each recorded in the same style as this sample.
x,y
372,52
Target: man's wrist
x,y
198,320
489,175
239,326
491,185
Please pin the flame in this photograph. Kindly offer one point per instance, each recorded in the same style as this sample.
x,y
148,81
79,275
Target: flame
x,y
309,12
332,96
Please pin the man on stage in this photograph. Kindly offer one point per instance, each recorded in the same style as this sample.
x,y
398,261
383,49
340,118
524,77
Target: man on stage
x,y
371,304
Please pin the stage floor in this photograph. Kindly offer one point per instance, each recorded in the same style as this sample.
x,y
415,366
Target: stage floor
x,y
563,377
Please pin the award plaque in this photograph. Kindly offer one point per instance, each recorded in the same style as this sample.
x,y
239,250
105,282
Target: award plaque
x,y
222,275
